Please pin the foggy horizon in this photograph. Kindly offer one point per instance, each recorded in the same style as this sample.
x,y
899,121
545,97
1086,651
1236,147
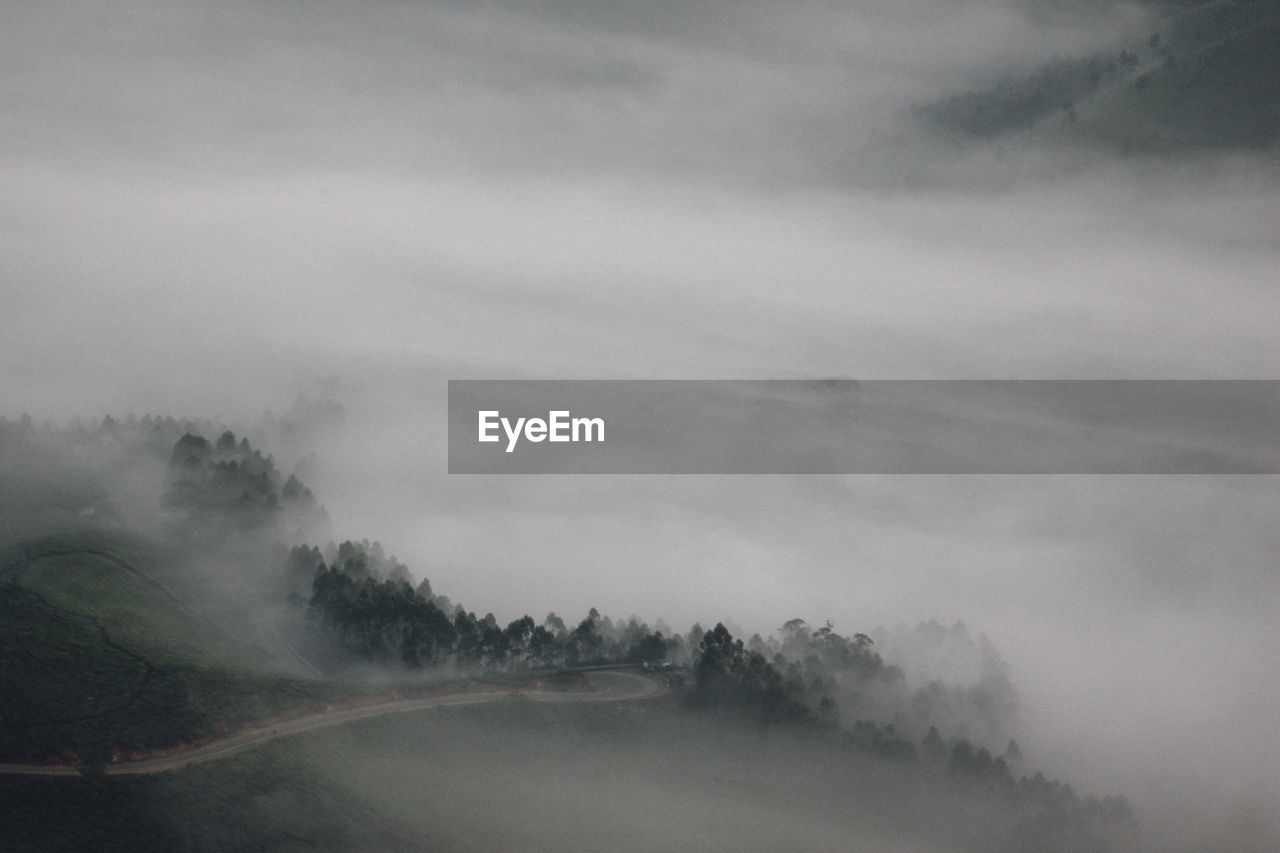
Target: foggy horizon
x,y
222,212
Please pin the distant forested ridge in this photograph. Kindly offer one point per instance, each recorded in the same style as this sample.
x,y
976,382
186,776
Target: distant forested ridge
x,y
1207,75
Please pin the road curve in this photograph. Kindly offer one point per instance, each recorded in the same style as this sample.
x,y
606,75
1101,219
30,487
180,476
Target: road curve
x,y
611,686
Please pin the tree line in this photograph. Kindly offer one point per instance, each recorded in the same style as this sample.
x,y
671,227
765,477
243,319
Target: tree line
x,y
363,607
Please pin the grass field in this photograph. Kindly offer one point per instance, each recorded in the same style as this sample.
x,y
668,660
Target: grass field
x,y
137,610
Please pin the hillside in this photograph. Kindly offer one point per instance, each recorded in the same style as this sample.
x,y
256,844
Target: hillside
x,y
120,647
131,589
101,656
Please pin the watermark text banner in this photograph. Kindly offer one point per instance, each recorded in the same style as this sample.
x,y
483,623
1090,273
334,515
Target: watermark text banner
x,y
864,427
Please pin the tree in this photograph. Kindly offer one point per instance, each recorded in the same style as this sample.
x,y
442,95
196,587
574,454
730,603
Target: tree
x,y
469,637
585,643
650,647
191,451
934,749
519,633
544,647
555,625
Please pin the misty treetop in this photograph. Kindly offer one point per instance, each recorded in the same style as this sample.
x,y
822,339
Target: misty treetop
x,y
380,621
231,482
731,678
117,473
231,479
364,608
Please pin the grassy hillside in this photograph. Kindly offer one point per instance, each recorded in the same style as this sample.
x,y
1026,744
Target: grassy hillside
x,y
132,589
101,653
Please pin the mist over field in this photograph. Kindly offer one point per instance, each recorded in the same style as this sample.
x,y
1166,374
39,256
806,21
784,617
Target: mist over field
x,y
316,214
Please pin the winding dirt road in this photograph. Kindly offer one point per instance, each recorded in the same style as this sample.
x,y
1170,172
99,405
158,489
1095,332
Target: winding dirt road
x,y
606,686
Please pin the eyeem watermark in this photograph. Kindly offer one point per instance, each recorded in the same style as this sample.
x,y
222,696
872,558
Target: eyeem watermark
x,y
838,426
559,426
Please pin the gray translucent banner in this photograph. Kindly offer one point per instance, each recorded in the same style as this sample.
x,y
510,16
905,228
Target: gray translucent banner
x,y
864,427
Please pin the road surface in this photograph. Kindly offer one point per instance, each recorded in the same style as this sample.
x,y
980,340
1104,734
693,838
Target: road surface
x,y
606,686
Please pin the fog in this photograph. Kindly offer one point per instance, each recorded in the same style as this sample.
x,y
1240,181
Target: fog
x,y
628,779
207,210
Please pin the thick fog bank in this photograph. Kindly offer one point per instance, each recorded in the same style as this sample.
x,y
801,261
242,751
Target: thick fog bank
x,y
204,210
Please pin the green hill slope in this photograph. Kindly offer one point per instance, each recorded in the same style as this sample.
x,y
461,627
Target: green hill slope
x,y
130,590
100,654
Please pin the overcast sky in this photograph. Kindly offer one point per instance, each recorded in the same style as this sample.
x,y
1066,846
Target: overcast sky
x,y
205,208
